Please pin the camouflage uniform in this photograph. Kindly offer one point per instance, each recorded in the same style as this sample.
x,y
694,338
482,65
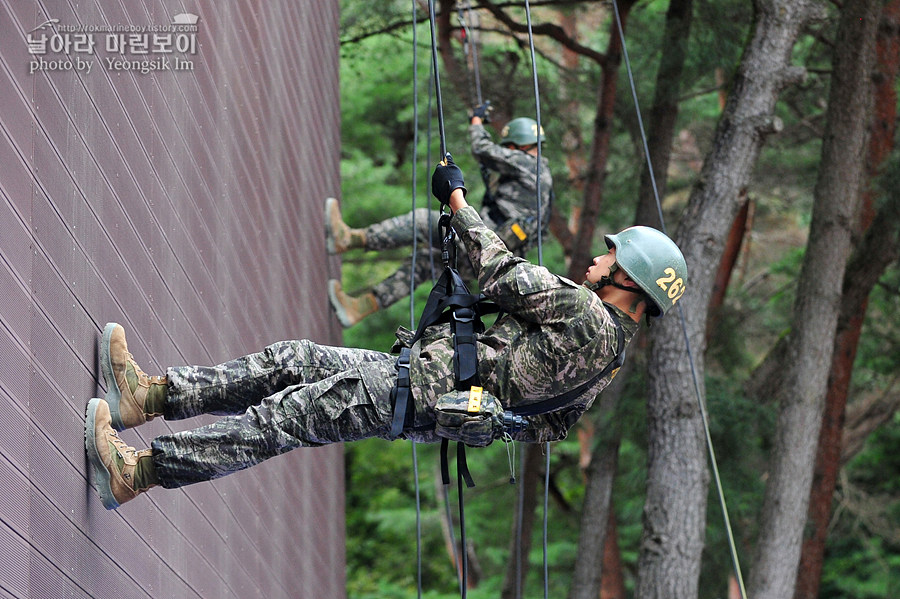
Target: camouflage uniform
x,y
556,335
397,232
513,192
512,189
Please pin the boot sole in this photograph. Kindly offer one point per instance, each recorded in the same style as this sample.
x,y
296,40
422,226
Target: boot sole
x,y
113,393
101,474
330,246
339,310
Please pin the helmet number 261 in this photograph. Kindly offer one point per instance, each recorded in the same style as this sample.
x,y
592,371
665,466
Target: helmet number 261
x,y
672,284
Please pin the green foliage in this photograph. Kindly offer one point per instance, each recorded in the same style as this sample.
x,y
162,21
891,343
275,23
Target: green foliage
x,y
378,133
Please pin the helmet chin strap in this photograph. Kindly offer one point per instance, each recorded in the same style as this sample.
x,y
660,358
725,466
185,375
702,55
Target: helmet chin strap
x,y
608,280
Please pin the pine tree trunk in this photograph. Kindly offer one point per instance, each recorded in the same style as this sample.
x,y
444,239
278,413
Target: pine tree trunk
x,y
816,308
596,175
597,505
859,282
612,585
664,112
678,477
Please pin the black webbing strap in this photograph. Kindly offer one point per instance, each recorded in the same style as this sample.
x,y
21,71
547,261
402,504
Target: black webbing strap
x,y
462,471
401,394
449,301
462,466
462,474
465,355
554,403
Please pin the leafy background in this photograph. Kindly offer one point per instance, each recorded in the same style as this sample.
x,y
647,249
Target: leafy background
x,y
863,555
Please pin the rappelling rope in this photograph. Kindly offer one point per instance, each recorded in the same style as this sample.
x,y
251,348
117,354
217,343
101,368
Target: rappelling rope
x,y
540,248
470,46
437,80
412,289
462,571
703,414
461,564
537,110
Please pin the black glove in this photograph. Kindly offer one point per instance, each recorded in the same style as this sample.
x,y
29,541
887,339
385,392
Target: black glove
x,y
483,111
445,179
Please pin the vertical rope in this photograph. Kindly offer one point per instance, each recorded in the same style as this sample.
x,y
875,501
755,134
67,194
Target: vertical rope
x,y
463,549
546,520
540,247
537,109
428,163
412,288
687,343
443,138
470,46
520,521
437,80
449,515
415,159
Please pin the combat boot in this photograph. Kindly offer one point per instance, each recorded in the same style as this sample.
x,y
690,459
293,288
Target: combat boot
x,y
349,309
339,237
120,472
132,395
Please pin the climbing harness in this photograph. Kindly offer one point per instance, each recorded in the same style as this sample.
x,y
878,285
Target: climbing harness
x,y
498,218
450,302
402,389
703,414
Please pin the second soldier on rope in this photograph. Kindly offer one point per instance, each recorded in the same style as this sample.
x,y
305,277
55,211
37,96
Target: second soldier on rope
x,y
509,208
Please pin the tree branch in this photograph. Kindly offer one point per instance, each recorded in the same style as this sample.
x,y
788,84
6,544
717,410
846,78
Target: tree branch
x,y
550,30
863,418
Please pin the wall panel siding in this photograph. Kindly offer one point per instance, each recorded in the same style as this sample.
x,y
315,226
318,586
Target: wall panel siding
x,y
186,205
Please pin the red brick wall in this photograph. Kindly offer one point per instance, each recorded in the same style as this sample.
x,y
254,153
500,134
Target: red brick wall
x,y
186,205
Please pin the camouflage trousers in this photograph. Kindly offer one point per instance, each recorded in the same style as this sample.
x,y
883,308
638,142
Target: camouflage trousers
x,y
397,232
292,394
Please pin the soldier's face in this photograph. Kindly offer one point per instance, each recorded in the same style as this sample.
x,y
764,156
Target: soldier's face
x,y
600,266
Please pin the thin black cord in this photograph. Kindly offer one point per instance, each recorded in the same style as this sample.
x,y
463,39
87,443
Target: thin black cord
x,y
537,108
546,519
415,158
437,80
415,458
412,289
520,521
449,516
687,343
463,549
431,229
475,67
540,247
440,110
468,45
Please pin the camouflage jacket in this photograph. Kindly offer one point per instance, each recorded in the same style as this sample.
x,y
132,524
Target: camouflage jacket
x,y
512,189
556,335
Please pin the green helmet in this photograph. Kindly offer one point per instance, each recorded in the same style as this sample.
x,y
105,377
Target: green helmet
x,y
521,132
654,262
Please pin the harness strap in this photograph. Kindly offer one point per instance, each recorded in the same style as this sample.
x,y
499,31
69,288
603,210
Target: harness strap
x,y
465,355
451,301
401,393
554,403
462,466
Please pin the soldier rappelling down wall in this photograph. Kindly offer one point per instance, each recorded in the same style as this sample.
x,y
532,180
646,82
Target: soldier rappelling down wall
x,y
509,208
556,345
